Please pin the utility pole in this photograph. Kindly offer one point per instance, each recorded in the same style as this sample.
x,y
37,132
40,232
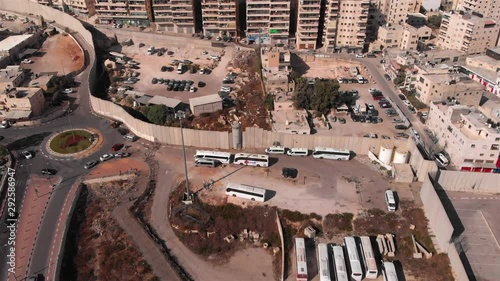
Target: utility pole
x,y
181,115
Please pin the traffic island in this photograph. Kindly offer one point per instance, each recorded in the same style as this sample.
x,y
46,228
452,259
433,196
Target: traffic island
x,y
71,143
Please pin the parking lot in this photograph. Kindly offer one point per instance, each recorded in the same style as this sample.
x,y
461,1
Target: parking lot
x,y
150,67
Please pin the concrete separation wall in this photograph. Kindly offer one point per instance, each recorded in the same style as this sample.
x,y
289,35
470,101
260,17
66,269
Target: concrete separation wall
x,y
280,230
441,226
421,166
469,181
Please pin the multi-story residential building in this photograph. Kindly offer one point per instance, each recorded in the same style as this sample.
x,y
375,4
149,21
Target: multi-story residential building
x,y
402,36
469,135
12,76
219,17
21,103
56,4
487,8
162,15
468,33
182,16
130,12
268,21
394,11
485,69
435,84
81,8
276,68
352,25
308,16
332,9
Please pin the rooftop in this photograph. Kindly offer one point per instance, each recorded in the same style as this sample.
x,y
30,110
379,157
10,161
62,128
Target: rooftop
x,y
40,80
171,103
205,100
10,42
286,119
9,74
20,93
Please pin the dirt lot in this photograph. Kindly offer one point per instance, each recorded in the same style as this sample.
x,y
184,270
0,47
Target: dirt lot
x,y
97,247
59,54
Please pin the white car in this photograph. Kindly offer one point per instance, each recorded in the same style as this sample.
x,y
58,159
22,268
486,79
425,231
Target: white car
x,y
360,55
122,154
68,91
27,154
192,89
4,124
27,61
372,90
407,102
204,53
106,157
370,106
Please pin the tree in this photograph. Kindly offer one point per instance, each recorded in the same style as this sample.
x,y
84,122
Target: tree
x,y
269,102
400,79
320,96
434,21
157,114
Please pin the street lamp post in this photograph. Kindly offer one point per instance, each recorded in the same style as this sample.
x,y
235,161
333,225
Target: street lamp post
x,y
181,115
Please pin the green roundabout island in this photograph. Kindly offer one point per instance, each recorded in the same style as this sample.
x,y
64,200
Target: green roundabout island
x,y
72,141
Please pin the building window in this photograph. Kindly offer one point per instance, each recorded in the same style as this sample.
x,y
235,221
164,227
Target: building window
x,y
494,147
481,154
468,160
472,146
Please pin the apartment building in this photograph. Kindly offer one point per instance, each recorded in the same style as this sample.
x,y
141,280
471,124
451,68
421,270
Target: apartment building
x,y
268,21
162,15
487,8
129,12
332,9
21,103
469,135
81,8
435,84
352,25
468,33
276,68
393,11
12,76
402,36
485,69
308,16
219,17
56,4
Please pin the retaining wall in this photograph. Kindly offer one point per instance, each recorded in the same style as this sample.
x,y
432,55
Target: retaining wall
x,y
469,181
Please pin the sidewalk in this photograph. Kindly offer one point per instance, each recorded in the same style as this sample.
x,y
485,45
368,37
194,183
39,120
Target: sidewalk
x,y
34,204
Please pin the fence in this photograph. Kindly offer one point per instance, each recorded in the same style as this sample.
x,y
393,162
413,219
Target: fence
x,y
420,165
469,181
441,226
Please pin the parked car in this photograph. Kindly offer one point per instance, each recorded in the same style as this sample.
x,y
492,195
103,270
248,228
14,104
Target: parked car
x,y
106,157
396,120
170,53
154,81
68,91
289,172
202,71
27,61
385,137
360,55
122,154
371,55
201,84
401,135
407,102
370,106
402,97
163,68
49,172
117,147
5,124
27,154
122,131
192,89
91,164
387,77
130,81
130,137
401,127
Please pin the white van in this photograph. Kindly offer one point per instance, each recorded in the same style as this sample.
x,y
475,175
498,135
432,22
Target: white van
x,y
441,159
390,201
206,163
298,152
275,150
130,137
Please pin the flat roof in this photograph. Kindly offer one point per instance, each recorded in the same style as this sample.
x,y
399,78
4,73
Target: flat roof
x,y
134,93
205,100
9,74
143,99
18,114
171,103
10,42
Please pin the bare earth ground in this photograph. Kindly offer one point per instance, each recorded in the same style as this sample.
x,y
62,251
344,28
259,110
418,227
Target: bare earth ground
x,y
59,54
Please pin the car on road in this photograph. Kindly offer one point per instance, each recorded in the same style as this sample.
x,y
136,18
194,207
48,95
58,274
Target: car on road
x,y
386,137
407,102
360,55
49,172
122,154
122,131
402,97
106,157
117,146
91,164
130,137
68,91
27,61
371,55
5,124
373,90
192,89
401,127
27,154
387,77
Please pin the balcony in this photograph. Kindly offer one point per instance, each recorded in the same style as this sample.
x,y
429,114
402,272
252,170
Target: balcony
x,y
257,7
257,19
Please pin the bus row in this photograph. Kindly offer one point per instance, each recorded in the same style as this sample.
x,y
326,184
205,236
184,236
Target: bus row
x,y
203,157
344,263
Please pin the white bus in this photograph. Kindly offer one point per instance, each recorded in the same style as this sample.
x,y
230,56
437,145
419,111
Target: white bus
x,y
180,68
246,192
389,271
301,259
368,258
258,160
353,256
339,261
323,263
223,157
390,200
331,153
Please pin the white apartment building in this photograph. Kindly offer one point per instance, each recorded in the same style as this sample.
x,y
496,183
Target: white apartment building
x,y
182,16
267,21
56,4
437,84
308,15
352,25
219,17
469,135
332,9
487,8
162,15
468,33
402,36
81,8
485,69
131,12
394,11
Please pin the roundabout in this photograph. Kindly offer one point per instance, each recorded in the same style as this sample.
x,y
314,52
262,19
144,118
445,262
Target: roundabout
x,y
74,142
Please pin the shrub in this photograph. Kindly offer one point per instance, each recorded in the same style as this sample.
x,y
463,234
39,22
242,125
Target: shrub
x,y
294,216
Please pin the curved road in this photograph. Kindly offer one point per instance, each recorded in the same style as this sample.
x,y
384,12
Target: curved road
x,y
35,138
